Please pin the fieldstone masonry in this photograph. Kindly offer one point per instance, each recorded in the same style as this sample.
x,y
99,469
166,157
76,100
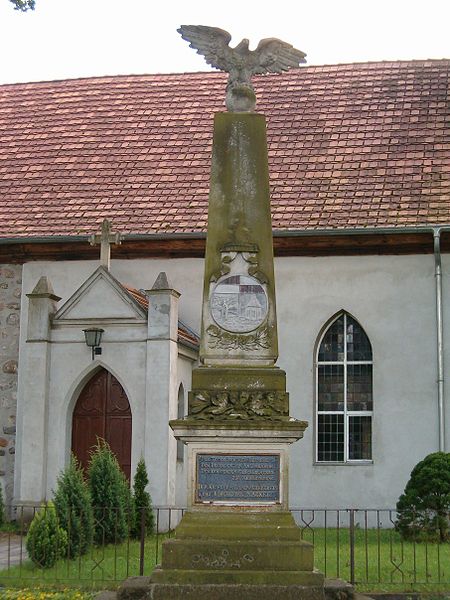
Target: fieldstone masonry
x,y
10,292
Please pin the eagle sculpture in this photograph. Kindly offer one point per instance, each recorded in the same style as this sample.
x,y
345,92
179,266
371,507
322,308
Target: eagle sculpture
x,y
271,56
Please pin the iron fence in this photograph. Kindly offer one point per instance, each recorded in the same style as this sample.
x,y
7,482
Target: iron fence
x,y
361,546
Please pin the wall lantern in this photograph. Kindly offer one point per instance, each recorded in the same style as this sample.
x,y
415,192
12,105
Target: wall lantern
x,y
93,337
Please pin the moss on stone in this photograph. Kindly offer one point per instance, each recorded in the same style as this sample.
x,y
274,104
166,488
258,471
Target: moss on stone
x,y
214,378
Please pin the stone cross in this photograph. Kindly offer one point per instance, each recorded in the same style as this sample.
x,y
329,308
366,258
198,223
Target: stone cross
x,y
105,239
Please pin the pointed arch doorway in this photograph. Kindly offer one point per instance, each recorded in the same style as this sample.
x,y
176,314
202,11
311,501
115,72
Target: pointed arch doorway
x,y
102,410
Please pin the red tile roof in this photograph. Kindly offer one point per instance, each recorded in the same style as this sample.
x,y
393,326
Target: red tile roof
x,y
185,335
137,295
349,146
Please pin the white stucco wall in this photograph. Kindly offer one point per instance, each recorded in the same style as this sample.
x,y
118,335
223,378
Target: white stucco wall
x,y
393,299
446,316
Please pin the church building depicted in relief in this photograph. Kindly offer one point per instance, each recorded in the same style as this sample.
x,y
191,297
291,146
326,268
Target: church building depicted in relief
x,y
104,189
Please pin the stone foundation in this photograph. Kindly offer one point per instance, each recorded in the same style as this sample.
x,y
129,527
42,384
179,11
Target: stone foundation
x,y
10,293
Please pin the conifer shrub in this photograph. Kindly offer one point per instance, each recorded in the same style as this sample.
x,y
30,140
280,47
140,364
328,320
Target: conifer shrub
x,y
74,509
46,540
142,501
424,507
129,505
109,496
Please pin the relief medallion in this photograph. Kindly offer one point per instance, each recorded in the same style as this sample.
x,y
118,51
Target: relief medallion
x,y
239,303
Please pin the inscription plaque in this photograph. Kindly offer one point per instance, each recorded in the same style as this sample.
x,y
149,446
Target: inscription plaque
x,y
241,478
239,304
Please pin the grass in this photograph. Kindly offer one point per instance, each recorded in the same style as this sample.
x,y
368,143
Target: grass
x,y
381,563
101,568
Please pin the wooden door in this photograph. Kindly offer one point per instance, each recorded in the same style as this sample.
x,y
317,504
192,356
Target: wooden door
x,y
102,410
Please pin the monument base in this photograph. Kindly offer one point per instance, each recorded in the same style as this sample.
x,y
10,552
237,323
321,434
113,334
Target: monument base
x,y
238,539
231,556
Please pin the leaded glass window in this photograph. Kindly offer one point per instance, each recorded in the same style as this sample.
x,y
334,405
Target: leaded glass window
x,y
344,393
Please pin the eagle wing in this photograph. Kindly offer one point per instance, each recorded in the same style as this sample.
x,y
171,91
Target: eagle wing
x,y
274,56
211,42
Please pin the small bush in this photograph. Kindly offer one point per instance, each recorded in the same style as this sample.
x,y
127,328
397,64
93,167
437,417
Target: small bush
x,y
46,540
142,501
424,506
109,496
74,509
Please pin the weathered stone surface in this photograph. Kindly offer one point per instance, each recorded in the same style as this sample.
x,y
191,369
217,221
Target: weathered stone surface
x,y
232,526
239,241
161,282
12,319
337,589
234,592
134,588
237,554
239,404
10,367
240,428
7,272
140,588
10,292
232,548
106,595
237,393
261,578
218,378
44,288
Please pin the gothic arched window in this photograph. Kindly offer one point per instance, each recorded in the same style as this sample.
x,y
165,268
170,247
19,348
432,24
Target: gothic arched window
x,y
344,393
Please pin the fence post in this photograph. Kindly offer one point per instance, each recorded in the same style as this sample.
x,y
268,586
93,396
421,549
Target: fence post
x,y
352,546
142,546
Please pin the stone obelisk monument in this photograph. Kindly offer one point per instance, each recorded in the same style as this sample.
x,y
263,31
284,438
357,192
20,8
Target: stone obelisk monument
x,y
238,540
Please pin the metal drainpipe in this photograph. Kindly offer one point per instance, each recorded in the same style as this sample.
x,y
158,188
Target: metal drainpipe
x,y
439,332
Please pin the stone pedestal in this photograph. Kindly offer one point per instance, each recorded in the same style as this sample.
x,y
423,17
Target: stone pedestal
x,y
232,556
238,538
237,467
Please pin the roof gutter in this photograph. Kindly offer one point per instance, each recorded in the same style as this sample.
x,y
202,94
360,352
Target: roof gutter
x,y
358,231
58,239
202,235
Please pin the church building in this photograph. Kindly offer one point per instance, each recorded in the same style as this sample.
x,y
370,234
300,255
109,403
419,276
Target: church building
x,y
103,211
